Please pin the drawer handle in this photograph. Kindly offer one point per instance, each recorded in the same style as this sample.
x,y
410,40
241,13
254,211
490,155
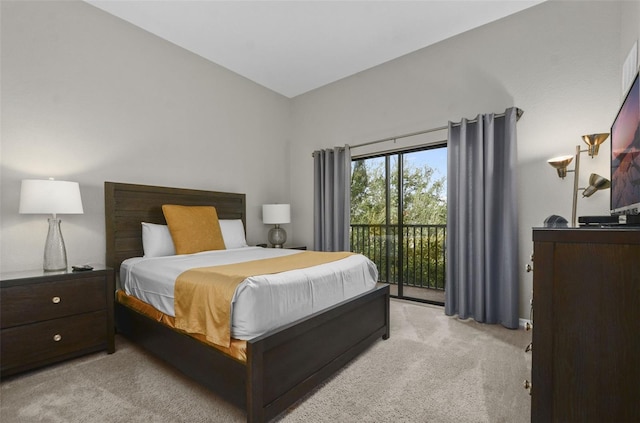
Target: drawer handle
x,y
55,300
57,337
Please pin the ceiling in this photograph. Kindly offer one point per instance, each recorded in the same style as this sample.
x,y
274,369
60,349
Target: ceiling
x,y
292,47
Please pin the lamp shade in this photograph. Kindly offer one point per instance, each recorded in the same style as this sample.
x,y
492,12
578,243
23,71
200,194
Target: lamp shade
x,y
560,164
47,196
596,183
594,141
276,214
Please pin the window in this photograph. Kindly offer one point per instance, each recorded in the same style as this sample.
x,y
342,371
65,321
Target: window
x,y
398,219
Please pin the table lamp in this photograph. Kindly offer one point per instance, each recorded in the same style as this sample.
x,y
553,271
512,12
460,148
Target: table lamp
x,y
276,214
41,196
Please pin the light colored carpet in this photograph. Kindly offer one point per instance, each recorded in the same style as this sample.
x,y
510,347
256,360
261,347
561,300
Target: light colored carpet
x,y
434,368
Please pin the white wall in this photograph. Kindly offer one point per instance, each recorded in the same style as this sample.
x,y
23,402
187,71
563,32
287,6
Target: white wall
x,y
559,61
90,98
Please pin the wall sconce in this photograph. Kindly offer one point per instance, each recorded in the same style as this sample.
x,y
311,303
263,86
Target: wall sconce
x,y
596,182
276,214
51,197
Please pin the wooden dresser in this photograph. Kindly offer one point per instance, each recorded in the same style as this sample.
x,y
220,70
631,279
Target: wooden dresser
x,y
48,317
586,332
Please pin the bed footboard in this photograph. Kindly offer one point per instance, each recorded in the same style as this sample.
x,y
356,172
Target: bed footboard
x,y
286,364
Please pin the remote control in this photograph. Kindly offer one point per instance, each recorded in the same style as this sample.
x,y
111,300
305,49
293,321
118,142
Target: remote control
x,y
83,268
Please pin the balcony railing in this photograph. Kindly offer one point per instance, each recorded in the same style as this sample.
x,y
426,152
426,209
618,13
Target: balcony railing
x,y
423,253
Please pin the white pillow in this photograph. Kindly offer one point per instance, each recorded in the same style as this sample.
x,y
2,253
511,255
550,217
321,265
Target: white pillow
x,y
233,233
156,240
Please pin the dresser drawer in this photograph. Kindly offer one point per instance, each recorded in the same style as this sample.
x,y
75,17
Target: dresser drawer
x,y
25,304
42,343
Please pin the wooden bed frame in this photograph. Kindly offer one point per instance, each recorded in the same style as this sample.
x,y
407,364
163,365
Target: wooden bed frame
x,y
283,365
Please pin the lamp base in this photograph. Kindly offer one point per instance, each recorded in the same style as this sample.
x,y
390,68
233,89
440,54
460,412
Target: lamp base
x,y
277,237
55,254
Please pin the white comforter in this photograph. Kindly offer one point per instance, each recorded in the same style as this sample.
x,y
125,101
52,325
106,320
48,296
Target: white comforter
x,y
260,303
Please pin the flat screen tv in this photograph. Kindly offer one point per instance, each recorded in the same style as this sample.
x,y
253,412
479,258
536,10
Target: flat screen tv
x,y
625,155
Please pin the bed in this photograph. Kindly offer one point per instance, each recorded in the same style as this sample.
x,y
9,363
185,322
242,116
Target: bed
x,y
282,365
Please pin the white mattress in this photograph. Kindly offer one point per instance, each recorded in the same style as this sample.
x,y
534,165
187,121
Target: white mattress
x,y
260,303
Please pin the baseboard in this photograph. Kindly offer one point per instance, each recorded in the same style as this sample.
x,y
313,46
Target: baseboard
x,y
523,322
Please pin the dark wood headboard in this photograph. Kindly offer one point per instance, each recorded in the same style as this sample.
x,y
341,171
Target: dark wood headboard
x,y
128,205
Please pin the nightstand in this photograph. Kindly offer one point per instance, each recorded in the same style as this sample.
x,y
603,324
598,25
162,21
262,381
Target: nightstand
x,y
46,317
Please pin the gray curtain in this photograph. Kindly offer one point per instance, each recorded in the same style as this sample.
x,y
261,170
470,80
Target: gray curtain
x,y
331,199
482,227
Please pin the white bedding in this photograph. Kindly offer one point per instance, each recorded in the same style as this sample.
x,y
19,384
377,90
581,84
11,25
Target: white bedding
x,y
260,303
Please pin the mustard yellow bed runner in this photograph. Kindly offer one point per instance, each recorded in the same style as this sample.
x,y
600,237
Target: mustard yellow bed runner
x,y
202,296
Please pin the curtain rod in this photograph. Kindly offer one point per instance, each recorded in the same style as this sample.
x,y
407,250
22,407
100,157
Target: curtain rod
x,y
519,113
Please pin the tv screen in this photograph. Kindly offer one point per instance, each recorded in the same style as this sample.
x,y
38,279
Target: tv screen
x,y
625,155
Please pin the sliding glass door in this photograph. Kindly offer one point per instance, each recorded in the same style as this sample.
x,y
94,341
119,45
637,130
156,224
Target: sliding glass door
x,y
398,219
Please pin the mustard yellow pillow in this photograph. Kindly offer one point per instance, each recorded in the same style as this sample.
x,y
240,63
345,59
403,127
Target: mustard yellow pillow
x,y
193,228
